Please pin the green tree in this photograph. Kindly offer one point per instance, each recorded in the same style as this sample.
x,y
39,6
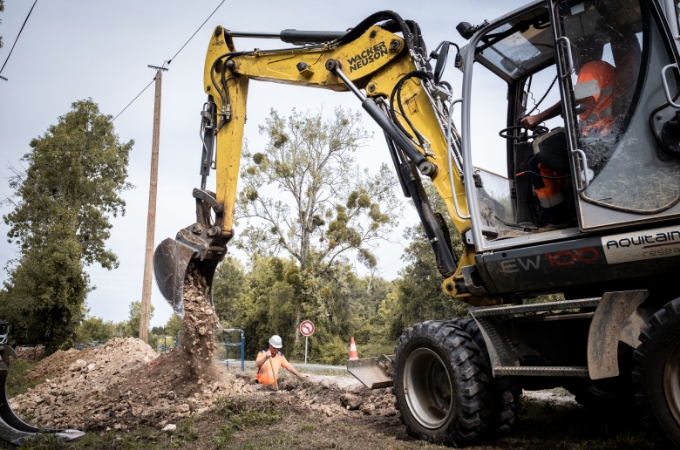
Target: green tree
x,y
229,283
173,325
62,203
324,208
135,315
95,329
46,292
160,331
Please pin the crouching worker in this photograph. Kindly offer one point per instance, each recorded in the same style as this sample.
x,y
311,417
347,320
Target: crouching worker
x,y
270,361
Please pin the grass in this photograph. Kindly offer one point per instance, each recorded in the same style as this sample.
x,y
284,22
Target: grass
x,y
571,427
143,438
185,432
18,370
306,427
238,415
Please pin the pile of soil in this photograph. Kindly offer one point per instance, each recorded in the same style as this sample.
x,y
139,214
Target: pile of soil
x,y
119,385
123,384
327,399
31,354
56,363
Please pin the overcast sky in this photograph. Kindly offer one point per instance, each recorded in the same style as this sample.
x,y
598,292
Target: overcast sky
x,y
78,49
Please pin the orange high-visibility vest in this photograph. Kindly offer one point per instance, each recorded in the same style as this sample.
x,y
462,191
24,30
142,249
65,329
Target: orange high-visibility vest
x,y
265,374
596,78
551,193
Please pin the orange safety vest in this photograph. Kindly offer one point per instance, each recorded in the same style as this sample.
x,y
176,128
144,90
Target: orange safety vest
x,y
551,193
265,374
595,89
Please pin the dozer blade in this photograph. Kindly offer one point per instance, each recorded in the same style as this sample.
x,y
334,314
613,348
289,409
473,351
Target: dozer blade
x,y
12,428
173,257
374,373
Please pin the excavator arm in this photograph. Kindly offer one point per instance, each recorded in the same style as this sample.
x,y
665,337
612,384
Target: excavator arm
x,y
389,74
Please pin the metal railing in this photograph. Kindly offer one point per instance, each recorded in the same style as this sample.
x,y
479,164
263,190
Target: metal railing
x,y
241,344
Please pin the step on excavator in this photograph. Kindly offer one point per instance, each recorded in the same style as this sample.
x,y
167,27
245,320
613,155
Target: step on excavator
x,y
12,428
588,210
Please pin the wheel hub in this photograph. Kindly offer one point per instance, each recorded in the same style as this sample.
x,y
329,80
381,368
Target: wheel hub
x,y
671,382
428,388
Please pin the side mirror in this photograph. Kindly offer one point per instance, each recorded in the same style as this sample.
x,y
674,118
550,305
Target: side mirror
x,y
441,61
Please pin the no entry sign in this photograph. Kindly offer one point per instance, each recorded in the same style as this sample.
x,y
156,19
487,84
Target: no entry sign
x,y
307,328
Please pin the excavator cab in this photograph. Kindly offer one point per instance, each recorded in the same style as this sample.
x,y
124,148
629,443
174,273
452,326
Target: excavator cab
x,y
613,151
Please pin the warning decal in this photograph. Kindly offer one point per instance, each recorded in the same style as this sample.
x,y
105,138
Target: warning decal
x,y
642,245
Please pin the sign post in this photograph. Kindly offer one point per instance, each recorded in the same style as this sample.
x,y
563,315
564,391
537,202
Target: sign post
x,y
306,329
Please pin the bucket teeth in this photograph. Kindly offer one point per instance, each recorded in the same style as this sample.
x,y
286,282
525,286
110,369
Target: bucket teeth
x,y
12,428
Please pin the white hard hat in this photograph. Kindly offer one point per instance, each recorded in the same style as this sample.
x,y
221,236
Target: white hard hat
x,y
276,341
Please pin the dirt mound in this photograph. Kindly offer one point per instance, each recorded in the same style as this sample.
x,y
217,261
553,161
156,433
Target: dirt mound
x,y
119,385
31,354
55,364
198,342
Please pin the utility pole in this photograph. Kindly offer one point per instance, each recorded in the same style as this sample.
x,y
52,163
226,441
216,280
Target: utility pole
x,y
151,217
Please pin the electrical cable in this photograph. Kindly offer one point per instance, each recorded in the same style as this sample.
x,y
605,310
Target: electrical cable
x,y
561,177
397,92
543,98
192,36
147,86
168,61
17,38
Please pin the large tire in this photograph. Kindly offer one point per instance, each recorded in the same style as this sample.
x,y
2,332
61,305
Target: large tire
x,y
505,393
658,373
441,384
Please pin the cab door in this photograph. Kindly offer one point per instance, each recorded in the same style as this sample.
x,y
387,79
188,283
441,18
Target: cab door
x,y
618,76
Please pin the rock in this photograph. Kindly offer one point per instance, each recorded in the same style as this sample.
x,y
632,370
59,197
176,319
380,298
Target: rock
x,y
183,408
351,402
77,365
170,427
91,367
367,411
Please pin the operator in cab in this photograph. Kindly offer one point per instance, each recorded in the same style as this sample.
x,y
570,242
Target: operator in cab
x,y
270,361
598,88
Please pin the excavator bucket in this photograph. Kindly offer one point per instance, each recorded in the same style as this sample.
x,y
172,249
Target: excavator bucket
x,y
374,373
203,244
12,428
170,263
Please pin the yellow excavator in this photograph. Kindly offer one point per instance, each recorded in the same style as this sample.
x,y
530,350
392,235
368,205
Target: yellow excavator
x,y
589,209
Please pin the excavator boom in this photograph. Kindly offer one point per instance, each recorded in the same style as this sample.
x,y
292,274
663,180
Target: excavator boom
x,y
379,67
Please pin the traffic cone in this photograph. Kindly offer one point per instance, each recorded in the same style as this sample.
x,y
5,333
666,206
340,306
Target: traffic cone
x,y
353,350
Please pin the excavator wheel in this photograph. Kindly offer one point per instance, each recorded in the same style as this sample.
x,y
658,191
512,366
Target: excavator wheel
x,y
505,392
658,374
441,384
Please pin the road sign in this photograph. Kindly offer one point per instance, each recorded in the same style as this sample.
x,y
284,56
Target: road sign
x,y
307,328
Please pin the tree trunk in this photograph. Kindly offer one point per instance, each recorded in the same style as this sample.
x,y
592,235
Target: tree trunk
x,y
297,325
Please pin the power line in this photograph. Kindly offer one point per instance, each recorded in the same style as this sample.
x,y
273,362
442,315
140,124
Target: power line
x,y
169,60
15,40
192,36
133,100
